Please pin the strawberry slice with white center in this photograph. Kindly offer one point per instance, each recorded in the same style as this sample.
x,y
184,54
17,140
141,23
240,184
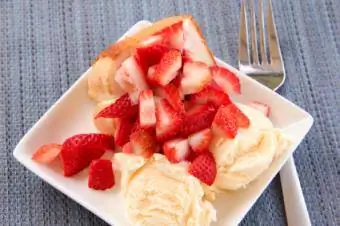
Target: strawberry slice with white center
x,y
265,109
173,36
135,72
195,48
143,143
226,80
210,95
168,121
228,119
123,107
147,109
47,153
124,80
200,141
167,69
196,76
176,150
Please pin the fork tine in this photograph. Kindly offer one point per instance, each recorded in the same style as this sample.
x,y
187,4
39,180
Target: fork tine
x,y
274,49
263,52
243,50
254,52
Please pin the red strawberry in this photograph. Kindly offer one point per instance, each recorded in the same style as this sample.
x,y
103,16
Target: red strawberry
x,y
168,121
123,131
122,108
143,143
127,148
210,95
228,119
47,153
101,175
226,79
176,150
196,76
150,55
197,119
241,119
147,109
261,107
173,96
200,141
167,68
203,167
78,151
136,73
173,36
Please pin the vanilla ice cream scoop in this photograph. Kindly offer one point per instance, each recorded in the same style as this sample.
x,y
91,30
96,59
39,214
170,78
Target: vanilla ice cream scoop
x,y
157,192
242,159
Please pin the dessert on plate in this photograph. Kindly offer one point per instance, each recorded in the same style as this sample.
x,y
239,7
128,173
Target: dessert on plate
x,y
168,113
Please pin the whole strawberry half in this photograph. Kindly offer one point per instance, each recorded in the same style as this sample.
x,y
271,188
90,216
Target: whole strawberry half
x,y
101,176
78,151
197,119
123,107
203,167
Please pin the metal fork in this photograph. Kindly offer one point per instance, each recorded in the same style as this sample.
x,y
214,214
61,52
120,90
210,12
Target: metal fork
x,y
254,61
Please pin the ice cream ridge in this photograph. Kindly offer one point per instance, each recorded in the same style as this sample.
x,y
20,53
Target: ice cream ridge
x,y
183,139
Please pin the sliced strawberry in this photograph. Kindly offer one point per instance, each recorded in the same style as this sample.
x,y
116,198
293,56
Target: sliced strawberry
x,y
150,55
226,79
121,108
197,119
228,119
101,175
196,76
167,68
143,143
124,80
123,131
47,153
203,167
200,141
151,41
147,109
195,48
173,36
265,109
173,96
136,73
168,122
127,148
176,150
78,151
210,95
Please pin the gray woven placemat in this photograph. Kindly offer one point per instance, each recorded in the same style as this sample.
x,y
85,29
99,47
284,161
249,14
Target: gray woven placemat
x,y
46,45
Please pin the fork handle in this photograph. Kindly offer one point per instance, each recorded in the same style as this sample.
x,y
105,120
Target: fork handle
x,y
295,205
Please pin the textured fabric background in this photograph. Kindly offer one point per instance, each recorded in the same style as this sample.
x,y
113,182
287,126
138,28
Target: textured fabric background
x,y
46,45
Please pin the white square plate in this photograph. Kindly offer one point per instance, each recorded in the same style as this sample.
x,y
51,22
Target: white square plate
x,y
72,114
